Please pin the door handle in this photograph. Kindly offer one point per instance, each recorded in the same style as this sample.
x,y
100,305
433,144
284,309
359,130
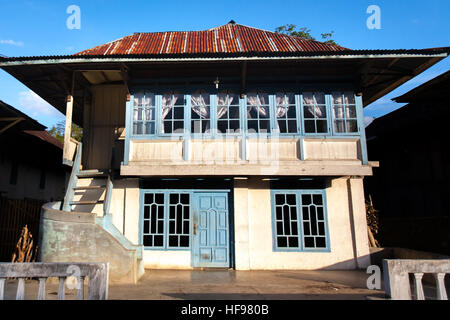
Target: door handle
x,y
195,229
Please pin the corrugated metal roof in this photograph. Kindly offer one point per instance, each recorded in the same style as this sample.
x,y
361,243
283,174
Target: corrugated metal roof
x,y
45,136
228,38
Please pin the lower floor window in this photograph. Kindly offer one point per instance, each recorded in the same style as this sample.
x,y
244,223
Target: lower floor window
x,y
299,220
166,219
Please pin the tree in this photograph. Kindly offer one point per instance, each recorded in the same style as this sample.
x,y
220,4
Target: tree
x,y
305,33
57,131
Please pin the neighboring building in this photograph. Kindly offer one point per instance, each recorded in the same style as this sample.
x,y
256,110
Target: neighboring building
x,y
30,159
232,147
412,186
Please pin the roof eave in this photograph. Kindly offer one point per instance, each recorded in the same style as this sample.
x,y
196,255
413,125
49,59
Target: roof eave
x,y
177,58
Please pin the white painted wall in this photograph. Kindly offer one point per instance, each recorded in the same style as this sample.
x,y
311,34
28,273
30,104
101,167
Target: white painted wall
x,y
342,255
253,228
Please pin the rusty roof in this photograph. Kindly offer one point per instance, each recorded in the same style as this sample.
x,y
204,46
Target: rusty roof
x,y
228,38
45,136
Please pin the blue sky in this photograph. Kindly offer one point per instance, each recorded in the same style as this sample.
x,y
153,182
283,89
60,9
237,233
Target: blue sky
x,y
30,28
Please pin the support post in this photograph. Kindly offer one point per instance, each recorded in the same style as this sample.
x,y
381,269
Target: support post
x,y
67,153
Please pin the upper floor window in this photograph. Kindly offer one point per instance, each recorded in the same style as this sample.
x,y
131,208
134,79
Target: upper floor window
x,y
172,113
315,112
225,113
144,117
200,112
258,113
286,113
228,114
344,112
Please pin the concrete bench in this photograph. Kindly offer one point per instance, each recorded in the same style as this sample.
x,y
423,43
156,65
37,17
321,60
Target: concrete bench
x,y
97,274
396,277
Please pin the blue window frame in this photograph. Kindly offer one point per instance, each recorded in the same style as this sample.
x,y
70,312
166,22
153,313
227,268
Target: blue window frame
x,y
258,113
315,113
286,113
345,120
200,112
172,113
144,114
210,115
166,219
228,113
299,220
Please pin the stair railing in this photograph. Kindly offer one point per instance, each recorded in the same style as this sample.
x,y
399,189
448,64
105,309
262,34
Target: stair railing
x,y
73,179
109,184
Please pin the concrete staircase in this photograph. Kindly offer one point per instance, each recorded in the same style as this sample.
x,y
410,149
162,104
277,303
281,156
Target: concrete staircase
x,y
81,228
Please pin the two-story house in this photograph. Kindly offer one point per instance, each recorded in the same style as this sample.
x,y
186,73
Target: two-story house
x,y
232,147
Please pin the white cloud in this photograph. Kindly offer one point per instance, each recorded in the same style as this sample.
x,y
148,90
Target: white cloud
x,y
34,105
12,42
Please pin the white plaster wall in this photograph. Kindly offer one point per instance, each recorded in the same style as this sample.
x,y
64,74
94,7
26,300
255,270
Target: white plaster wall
x,y
175,259
341,255
124,209
253,228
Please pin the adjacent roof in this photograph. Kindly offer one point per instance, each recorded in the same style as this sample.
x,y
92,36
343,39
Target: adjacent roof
x,y
435,89
8,111
45,136
228,38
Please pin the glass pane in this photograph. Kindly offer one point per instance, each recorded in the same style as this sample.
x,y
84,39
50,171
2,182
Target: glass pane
x,y
322,126
349,98
317,199
352,126
150,127
319,97
337,98
338,111
339,126
282,242
351,112
320,242
308,98
309,242
158,239
293,242
148,198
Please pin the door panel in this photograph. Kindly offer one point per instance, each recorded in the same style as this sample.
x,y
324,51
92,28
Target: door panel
x,y
211,243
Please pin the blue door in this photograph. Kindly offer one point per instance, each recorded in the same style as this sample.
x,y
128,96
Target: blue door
x,y
211,243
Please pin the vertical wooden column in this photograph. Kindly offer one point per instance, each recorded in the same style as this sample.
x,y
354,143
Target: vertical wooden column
x,y
67,159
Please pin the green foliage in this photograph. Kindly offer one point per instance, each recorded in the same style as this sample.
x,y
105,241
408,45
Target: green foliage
x,y
305,33
57,131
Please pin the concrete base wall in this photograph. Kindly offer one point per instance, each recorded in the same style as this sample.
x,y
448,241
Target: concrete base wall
x,y
74,237
79,237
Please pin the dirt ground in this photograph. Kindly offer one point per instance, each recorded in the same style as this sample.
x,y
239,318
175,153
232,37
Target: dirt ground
x,y
228,285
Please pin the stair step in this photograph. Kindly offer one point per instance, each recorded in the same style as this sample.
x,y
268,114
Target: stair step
x,y
76,203
92,173
90,187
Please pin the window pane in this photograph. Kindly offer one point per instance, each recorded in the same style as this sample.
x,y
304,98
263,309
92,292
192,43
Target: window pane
x,y
179,208
172,114
153,224
227,109
286,223
258,112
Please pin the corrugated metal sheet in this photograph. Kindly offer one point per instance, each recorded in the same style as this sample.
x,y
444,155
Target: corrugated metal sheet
x,y
45,136
229,38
